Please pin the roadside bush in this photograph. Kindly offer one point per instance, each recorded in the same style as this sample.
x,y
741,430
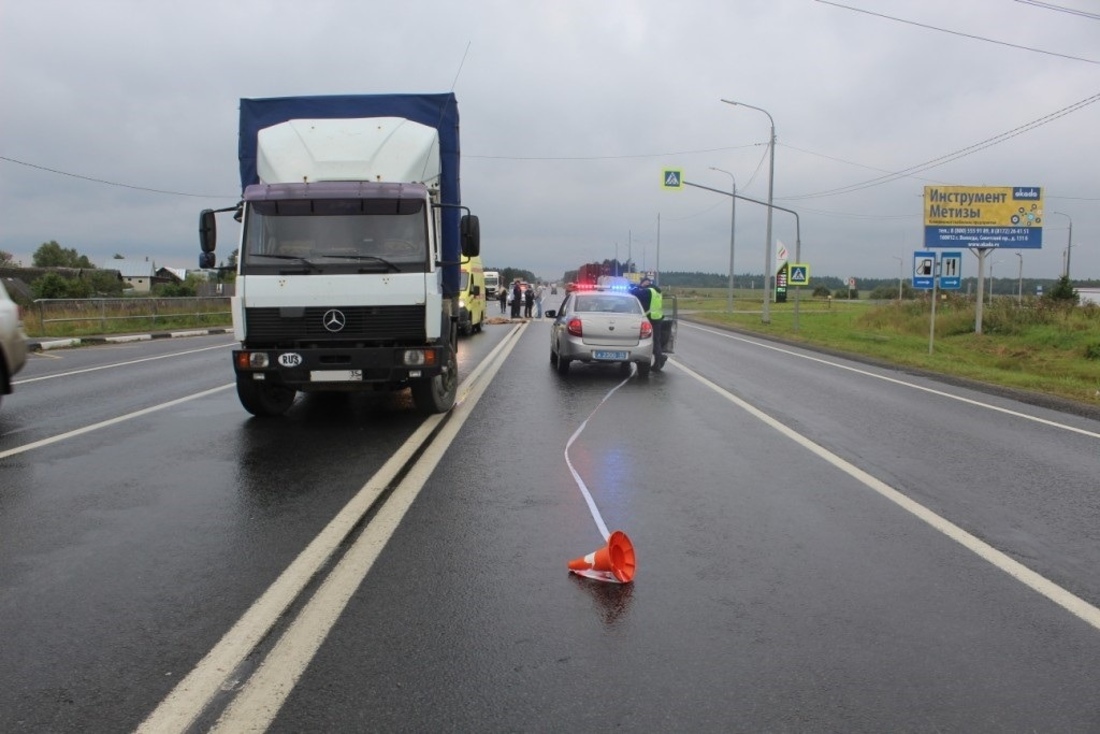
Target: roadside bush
x,y
54,285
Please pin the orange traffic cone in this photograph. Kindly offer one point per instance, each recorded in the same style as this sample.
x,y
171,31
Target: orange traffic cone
x,y
614,562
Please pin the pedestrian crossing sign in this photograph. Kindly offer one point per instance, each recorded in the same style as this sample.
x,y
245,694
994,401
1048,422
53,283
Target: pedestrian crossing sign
x,y
673,178
799,274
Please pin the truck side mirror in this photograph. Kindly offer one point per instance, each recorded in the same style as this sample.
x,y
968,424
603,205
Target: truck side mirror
x,y
208,231
470,231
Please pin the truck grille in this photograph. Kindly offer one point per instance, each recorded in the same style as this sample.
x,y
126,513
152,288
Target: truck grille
x,y
290,327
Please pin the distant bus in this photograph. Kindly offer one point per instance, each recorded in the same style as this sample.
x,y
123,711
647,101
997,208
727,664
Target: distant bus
x,y
492,283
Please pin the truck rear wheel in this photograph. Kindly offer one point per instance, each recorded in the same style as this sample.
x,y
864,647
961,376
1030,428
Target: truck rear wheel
x,y
437,394
262,399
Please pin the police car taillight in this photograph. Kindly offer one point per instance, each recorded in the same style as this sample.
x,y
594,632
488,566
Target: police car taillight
x,y
647,330
574,327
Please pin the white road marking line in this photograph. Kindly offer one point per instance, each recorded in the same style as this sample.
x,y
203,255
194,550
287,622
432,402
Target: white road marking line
x,y
119,364
1063,598
110,422
1006,411
261,696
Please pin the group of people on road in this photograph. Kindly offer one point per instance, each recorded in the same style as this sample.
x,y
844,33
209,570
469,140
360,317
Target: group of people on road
x,y
521,295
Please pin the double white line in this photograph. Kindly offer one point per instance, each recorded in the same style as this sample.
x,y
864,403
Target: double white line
x,y
258,700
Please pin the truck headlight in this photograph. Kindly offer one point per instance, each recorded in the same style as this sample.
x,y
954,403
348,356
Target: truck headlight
x,y
252,360
418,358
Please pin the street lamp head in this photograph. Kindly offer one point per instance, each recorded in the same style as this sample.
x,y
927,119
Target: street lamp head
x,y
722,170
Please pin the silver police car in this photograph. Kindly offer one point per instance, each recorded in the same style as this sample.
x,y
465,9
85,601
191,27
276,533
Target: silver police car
x,y
601,326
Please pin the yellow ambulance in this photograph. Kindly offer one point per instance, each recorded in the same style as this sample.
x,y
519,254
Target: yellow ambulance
x,y
471,296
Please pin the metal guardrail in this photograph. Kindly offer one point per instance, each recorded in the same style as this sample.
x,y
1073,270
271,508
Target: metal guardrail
x,y
107,310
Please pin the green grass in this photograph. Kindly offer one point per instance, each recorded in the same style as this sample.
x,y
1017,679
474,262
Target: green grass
x,y
89,317
1031,346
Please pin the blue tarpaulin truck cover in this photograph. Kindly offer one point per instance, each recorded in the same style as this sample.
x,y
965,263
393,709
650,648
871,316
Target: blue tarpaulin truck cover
x,y
439,111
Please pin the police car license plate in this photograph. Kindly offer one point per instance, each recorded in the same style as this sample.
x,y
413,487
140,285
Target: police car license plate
x,y
336,376
603,354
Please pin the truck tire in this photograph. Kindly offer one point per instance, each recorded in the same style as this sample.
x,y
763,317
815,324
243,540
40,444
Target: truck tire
x,y
437,394
262,399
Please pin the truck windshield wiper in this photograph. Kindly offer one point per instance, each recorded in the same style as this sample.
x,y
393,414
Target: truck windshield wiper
x,y
360,258
296,258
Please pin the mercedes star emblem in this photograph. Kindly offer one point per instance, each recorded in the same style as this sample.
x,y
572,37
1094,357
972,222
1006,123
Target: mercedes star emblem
x,y
334,320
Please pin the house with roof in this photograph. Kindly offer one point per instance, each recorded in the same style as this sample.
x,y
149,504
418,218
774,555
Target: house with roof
x,y
136,274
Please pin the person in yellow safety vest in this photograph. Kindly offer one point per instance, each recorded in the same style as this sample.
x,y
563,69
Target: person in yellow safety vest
x,y
649,295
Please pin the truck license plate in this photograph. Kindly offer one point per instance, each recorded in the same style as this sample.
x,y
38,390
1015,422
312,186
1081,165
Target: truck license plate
x,y
603,354
336,376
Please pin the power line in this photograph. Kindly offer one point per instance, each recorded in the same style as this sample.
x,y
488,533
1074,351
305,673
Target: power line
x,y
956,155
114,183
1061,9
959,33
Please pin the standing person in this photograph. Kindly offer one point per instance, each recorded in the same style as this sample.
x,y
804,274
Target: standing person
x,y
528,302
650,297
517,299
502,296
538,299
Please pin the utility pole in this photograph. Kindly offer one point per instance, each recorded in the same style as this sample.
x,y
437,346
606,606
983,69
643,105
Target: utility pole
x,y
1069,243
1020,285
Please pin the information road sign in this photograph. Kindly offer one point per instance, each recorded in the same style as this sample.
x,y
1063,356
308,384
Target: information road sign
x,y
924,269
951,270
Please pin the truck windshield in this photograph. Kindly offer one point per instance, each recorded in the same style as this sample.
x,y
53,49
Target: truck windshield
x,y
335,235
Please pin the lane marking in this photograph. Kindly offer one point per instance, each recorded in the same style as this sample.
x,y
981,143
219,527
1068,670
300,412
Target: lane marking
x,y
119,364
260,698
110,422
1063,598
941,393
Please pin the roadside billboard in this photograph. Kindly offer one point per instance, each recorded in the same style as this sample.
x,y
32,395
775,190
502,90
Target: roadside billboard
x,y
983,216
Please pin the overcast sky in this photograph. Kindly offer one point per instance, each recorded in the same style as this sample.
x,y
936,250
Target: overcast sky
x,y
119,120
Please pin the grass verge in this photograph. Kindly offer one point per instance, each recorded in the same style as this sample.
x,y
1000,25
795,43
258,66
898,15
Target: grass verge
x,y
1033,346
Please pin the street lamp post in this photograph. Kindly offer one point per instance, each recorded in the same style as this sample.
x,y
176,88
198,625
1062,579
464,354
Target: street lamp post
x,y
901,264
733,222
766,315
1069,242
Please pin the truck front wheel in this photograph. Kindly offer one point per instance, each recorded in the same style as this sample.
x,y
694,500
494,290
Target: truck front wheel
x,y
262,399
437,394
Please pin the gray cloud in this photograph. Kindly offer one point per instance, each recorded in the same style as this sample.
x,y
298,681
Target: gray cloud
x,y
569,111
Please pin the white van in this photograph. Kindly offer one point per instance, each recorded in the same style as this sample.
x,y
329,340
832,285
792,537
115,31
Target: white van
x,y
492,283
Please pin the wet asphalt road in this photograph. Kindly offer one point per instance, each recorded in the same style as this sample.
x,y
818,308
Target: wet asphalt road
x,y
778,588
